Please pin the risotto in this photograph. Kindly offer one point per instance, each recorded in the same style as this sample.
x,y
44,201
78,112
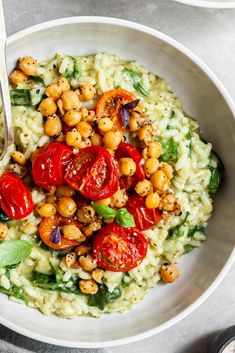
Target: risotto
x,y
107,187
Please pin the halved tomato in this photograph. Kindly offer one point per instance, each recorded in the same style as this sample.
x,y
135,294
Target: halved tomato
x,y
144,217
49,224
110,104
119,249
93,172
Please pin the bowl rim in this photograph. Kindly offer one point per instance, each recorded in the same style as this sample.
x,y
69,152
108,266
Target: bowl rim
x,y
231,105
208,4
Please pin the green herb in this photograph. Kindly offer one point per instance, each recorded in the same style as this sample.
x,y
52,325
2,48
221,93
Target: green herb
x,y
57,273
170,151
196,229
104,211
48,282
16,292
124,218
13,252
216,174
103,297
20,97
72,74
37,79
136,81
188,248
3,216
178,230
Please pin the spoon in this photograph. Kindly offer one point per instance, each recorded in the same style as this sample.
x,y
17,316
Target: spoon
x,y
4,88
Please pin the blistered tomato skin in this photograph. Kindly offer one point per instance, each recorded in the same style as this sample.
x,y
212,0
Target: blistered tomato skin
x,y
93,172
15,198
119,249
49,164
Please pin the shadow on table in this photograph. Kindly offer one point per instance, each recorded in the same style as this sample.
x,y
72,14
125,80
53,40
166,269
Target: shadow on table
x,y
199,345
11,341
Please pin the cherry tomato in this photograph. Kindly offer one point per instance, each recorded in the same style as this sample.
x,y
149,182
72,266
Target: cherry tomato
x,y
93,172
15,198
145,218
119,249
49,163
49,224
110,105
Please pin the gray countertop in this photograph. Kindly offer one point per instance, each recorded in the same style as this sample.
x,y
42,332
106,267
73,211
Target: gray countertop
x,y
211,35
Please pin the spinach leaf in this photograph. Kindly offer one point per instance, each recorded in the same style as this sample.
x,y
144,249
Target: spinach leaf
x,y
177,231
136,81
196,229
20,97
48,282
124,218
57,273
14,251
216,174
103,297
170,150
3,216
15,291
104,211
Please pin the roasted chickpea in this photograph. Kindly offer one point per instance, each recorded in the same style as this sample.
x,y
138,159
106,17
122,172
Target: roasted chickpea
x,y
73,138
158,179
84,128
167,169
92,227
151,165
87,91
86,214
145,133
105,124
28,65
85,143
152,200
70,100
3,231
18,157
63,84
144,187
17,77
97,275
72,117
65,190
88,286
87,262
53,91
60,106
46,209
145,153
71,260
47,107
51,199
66,206
82,249
169,273
53,126
134,124
72,232
112,139
127,166
154,149
168,203
105,202
119,199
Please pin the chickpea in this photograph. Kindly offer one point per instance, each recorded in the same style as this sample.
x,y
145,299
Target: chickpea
x,y
134,124
86,214
88,286
72,117
19,157
53,91
82,249
87,91
112,139
19,170
158,179
66,206
70,100
73,138
145,153
85,143
65,190
3,231
60,106
63,84
145,132
144,187
28,65
71,260
151,165
17,77
167,169
154,149
72,232
51,199
46,209
97,275
169,273
168,203
87,262
53,126
152,200
105,202
47,107
92,227
119,199
84,128
127,166
105,124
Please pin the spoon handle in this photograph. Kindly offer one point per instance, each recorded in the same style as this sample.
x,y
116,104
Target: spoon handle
x,y
4,88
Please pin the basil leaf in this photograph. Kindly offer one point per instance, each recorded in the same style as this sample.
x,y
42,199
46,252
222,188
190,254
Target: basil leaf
x,y
136,81
15,291
103,297
20,97
124,218
3,216
104,211
14,251
196,229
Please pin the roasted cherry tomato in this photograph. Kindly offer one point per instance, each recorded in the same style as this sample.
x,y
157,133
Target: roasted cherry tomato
x,y
49,224
145,218
127,150
15,198
49,163
119,249
93,172
110,105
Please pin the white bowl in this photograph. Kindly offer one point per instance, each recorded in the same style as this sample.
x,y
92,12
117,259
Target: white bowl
x,y
215,4
205,98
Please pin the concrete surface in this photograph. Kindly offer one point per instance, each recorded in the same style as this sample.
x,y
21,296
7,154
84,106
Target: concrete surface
x,y
211,35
